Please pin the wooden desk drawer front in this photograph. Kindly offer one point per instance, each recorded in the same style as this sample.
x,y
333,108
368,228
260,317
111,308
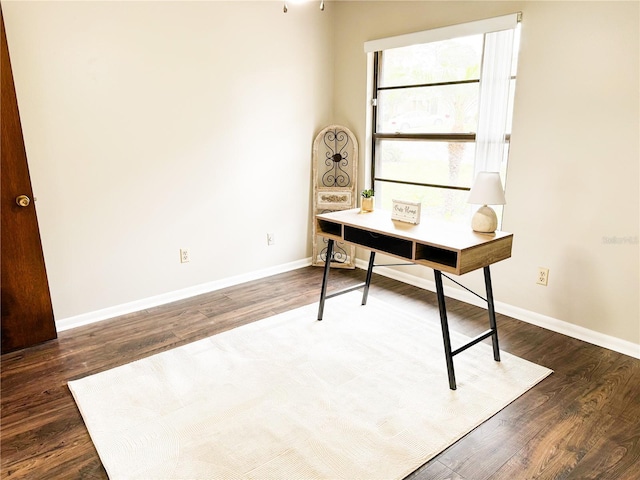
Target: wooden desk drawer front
x,y
380,242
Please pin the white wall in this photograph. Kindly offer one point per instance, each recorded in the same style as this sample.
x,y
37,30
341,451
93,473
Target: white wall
x,y
152,126
573,175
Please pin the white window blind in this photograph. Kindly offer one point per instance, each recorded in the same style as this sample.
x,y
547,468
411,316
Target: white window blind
x,y
495,24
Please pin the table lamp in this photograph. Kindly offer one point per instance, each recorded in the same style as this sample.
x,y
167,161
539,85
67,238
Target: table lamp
x,y
486,190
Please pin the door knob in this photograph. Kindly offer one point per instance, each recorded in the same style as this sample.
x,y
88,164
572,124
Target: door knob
x,y
23,200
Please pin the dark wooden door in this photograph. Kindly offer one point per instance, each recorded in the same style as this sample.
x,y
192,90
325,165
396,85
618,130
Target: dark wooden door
x,y
27,313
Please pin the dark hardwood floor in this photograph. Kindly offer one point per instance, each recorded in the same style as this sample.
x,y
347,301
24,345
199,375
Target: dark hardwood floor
x,y
582,422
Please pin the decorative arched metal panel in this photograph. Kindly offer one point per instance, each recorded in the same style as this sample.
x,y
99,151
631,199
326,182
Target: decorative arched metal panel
x,y
335,173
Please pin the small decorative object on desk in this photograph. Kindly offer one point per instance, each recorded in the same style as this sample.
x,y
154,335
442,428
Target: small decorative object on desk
x,y
367,201
406,211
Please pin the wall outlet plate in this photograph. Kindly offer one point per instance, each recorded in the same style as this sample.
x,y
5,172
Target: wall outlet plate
x,y
543,276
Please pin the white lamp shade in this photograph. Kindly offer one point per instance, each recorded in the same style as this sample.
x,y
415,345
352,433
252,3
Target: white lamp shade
x,y
487,190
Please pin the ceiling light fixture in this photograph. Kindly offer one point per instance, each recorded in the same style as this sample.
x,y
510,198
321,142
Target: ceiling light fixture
x,y
285,9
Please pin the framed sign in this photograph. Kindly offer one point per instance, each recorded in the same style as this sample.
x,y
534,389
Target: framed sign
x,y
406,211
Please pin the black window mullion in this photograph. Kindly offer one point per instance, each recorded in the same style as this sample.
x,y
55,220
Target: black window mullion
x,y
437,137
444,137
426,85
422,184
376,75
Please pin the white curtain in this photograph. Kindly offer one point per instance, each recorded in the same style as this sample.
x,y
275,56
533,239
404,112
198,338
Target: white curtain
x,y
494,98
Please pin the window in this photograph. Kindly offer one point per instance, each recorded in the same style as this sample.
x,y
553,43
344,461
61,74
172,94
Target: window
x,y
441,112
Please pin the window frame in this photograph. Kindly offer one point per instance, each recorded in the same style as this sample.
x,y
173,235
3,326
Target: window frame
x,y
377,47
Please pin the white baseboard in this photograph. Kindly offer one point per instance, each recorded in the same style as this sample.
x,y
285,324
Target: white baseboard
x,y
125,308
550,323
559,326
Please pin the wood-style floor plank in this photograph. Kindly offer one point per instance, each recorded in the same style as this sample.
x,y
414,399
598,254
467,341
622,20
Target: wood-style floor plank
x,y
582,422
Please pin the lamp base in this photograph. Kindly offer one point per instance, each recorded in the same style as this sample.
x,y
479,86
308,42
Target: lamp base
x,y
484,220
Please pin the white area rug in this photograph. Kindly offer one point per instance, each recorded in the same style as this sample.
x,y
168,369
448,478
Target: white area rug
x,y
361,395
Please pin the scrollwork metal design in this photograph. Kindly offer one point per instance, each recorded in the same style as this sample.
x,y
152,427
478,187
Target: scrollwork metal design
x,y
339,254
336,159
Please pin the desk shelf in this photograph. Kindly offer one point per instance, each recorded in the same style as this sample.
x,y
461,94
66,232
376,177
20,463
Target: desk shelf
x,y
326,228
438,256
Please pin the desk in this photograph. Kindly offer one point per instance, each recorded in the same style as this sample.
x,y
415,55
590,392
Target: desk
x,y
444,247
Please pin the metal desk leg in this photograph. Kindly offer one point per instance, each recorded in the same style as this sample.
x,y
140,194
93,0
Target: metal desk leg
x,y
445,329
492,314
367,282
325,278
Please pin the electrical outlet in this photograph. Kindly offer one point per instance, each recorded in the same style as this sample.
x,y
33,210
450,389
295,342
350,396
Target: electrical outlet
x,y
184,255
543,276
271,239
